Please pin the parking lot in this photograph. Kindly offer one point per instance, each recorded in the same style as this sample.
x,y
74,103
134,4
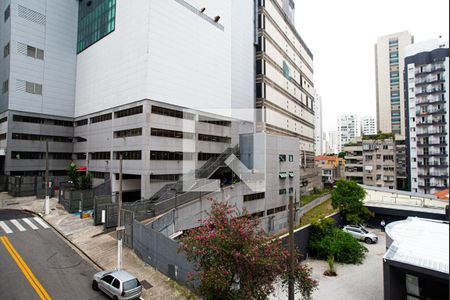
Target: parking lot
x,y
354,282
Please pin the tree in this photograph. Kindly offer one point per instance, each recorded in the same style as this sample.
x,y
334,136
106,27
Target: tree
x,y
73,174
342,154
333,244
348,197
236,260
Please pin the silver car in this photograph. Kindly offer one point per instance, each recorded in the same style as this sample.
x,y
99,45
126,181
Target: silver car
x,y
118,284
361,233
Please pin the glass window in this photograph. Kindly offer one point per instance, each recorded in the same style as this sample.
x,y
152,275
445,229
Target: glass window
x,y
116,284
131,284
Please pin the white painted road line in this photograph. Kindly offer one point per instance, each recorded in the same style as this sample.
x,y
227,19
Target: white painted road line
x,y
5,227
28,221
18,225
41,222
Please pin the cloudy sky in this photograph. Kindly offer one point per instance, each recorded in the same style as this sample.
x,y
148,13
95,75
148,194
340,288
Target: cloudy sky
x,y
342,34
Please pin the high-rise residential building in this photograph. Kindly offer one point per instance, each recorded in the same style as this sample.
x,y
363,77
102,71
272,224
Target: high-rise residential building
x,y
427,115
284,80
368,125
318,134
348,129
332,142
389,63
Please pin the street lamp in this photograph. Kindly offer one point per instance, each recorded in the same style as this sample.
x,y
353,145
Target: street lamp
x,y
47,183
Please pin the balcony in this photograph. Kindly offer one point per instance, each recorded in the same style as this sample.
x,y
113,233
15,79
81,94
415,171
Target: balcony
x,y
439,68
430,81
430,92
431,101
432,143
437,122
429,175
431,132
432,154
434,165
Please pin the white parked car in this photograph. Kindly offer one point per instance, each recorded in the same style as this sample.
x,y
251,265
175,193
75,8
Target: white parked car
x,y
118,284
361,233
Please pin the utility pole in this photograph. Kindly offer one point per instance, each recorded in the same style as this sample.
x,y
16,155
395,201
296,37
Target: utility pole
x,y
291,249
47,183
119,227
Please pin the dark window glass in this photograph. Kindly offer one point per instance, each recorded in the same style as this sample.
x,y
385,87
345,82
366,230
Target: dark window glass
x,y
256,196
96,19
131,284
81,122
100,155
116,284
214,138
171,133
128,133
172,113
101,118
108,279
128,155
128,112
166,155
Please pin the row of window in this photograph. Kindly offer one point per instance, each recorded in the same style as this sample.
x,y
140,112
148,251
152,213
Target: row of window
x,y
154,155
37,120
167,155
128,133
276,210
255,196
165,177
37,137
285,191
108,116
171,133
172,113
40,155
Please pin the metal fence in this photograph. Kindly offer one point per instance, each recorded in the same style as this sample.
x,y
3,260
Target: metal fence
x,y
161,252
100,203
3,183
76,200
21,186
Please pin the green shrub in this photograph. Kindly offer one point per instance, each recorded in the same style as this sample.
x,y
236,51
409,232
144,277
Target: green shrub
x,y
327,241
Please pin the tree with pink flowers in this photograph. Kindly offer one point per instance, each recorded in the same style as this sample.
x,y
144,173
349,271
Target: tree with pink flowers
x,y
236,260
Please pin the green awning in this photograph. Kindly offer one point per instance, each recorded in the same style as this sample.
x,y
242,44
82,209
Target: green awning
x,y
283,175
291,174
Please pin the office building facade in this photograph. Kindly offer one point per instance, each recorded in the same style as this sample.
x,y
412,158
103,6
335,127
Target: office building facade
x,y
389,64
426,94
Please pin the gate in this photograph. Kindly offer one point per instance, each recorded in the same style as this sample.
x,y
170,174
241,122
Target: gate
x,y
100,203
127,218
111,215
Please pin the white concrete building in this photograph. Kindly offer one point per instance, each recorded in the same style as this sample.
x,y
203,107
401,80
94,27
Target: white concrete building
x,y
427,92
389,65
348,129
332,142
368,125
318,133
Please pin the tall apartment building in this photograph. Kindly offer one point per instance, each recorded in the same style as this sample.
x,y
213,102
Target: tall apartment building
x,y
284,78
376,160
389,64
368,125
427,115
318,121
348,129
332,142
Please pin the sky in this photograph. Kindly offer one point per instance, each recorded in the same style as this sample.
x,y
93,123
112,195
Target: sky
x,y
342,34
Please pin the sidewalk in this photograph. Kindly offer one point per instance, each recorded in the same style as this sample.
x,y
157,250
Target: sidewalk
x,y
99,247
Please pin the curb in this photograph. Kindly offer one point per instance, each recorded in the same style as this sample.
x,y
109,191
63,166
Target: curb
x,y
69,241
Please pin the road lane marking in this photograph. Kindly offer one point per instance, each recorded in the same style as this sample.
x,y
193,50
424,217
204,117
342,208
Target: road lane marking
x,y
18,225
28,221
25,270
5,227
41,222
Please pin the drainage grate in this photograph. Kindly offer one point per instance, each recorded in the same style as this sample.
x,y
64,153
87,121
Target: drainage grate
x,y
146,285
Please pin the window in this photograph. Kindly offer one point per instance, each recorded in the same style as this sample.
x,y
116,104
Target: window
x,y
283,175
166,155
128,155
3,120
37,137
6,50
214,121
81,122
214,138
388,157
128,112
35,52
206,156
116,284
7,13
291,158
5,87
99,175
96,19
36,120
165,177
282,157
172,113
256,196
81,156
282,192
286,71
100,155
171,133
33,88
128,133
276,210
108,279
101,118
2,136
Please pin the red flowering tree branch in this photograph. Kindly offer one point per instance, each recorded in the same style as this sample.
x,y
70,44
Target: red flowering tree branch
x,y
237,260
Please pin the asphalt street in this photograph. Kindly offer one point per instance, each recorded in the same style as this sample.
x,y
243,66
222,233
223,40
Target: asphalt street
x,y
36,263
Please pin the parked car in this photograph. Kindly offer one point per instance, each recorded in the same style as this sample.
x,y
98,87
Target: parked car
x,y
117,284
361,233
